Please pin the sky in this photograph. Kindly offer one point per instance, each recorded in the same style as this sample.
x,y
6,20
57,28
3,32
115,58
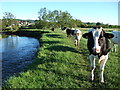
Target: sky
x,y
104,12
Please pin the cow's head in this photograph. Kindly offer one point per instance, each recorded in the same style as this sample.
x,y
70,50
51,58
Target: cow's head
x,y
77,32
63,28
97,39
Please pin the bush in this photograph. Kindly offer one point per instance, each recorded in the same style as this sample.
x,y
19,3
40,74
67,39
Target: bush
x,y
31,27
15,27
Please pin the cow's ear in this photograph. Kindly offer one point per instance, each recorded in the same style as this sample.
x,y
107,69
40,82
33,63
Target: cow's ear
x,y
85,35
109,35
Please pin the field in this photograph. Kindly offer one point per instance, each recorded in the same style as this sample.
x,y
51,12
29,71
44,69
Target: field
x,y
59,64
0,36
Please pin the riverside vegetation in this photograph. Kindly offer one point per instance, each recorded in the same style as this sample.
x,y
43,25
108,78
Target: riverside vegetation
x,y
59,64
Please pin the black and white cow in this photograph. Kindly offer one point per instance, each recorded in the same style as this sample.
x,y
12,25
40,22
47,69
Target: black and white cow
x,y
98,46
63,28
76,33
69,31
77,36
115,40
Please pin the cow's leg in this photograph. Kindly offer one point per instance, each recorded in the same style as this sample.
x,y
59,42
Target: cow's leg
x,y
115,47
103,61
112,46
92,66
67,35
78,42
75,42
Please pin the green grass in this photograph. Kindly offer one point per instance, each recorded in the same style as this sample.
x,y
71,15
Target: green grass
x,y
0,36
59,64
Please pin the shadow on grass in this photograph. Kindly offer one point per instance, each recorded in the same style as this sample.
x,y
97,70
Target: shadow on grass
x,y
51,42
62,48
54,36
85,52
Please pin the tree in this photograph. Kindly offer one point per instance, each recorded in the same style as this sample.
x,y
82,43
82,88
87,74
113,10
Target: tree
x,y
43,14
64,18
98,23
40,24
8,15
9,20
56,18
91,24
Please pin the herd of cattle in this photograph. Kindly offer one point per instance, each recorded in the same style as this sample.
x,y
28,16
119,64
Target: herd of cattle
x,y
98,44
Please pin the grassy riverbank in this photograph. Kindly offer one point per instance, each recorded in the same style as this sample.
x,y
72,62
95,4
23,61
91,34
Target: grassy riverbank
x,y
59,64
0,36
35,33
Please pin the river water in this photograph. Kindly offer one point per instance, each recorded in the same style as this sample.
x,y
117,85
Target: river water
x,y
16,53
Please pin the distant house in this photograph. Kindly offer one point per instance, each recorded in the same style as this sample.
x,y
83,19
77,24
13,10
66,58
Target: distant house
x,y
25,23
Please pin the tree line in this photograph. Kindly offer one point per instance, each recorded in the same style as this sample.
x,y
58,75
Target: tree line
x,y
56,19
50,19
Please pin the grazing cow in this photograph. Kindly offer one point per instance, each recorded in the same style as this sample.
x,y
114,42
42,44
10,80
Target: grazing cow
x,y
69,31
63,28
77,36
73,32
115,40
98,46
53,29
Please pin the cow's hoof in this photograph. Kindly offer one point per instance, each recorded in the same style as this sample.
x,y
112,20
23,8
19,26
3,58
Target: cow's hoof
x,y
91,79
102,81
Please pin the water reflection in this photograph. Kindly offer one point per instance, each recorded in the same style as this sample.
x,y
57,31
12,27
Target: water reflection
x,y
16,52
11,42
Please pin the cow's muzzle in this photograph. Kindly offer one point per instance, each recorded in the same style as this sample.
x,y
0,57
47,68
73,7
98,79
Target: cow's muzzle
x,y
96,50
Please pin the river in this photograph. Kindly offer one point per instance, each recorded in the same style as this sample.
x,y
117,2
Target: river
x,y
16,53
